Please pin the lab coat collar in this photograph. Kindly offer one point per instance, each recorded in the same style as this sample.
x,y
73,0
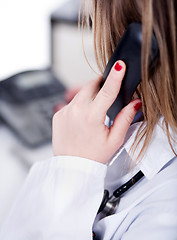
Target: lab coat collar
x,y
158,154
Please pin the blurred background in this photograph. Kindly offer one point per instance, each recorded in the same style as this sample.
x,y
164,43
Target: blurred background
x,y
41,57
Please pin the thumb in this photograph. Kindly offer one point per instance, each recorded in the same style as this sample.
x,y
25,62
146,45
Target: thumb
x,y
122,122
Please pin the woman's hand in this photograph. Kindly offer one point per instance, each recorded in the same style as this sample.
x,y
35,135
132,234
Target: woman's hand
x,y
79,129
68,96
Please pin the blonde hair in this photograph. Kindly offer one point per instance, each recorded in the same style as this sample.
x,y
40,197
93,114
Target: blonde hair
x,y
158,88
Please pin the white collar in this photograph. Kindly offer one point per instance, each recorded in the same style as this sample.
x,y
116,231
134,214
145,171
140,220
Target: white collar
x,y
158,154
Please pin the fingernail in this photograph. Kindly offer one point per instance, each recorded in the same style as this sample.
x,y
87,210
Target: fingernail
x,y
137,106
118,67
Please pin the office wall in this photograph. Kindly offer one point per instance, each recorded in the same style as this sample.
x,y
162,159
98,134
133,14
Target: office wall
x,y
69,62
24,34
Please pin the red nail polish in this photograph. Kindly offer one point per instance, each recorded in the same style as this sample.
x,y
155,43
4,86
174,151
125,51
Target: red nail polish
x,y
138,106
118,67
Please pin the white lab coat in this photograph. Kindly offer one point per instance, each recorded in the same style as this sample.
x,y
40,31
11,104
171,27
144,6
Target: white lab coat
x,y
61,197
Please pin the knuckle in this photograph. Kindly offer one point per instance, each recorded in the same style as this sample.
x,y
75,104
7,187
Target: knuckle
x,y
129,119
75,108
76,111
128,115
56,117
108,93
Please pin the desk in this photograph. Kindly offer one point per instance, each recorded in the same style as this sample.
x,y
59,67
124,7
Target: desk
x,y
15,162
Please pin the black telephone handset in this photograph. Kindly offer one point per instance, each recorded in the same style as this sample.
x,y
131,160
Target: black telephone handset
x,y
129,50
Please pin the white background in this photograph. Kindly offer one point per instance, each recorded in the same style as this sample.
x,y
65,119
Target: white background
x,y
25,34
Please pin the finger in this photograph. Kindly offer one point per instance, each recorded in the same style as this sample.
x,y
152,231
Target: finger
x,y
70,94
58,107
88,91
122,122
108,93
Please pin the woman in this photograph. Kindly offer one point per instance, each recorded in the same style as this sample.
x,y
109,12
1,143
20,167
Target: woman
x,y
61,197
